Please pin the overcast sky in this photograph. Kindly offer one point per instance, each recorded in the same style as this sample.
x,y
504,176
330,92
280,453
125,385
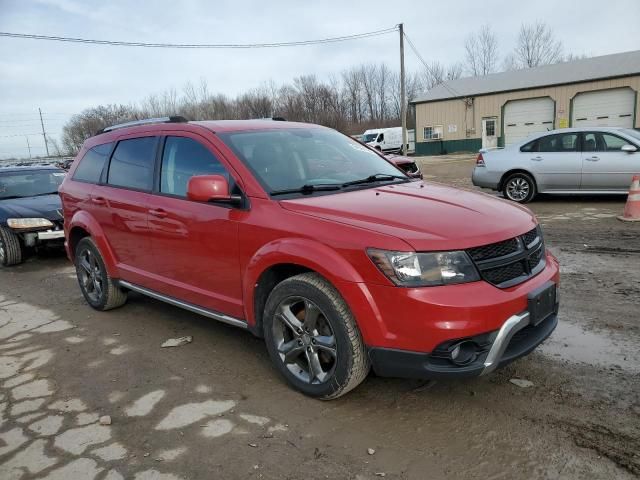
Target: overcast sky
x,y
65,78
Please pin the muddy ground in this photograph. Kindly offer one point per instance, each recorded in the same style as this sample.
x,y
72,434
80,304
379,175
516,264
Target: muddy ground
x,y
215,408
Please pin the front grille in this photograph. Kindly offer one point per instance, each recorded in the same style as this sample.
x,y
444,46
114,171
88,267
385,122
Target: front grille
x,y
512,261
494,250
504,274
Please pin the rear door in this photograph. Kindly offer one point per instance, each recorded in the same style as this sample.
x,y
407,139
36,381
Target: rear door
x,y
195,245
121,204
555,161
604,165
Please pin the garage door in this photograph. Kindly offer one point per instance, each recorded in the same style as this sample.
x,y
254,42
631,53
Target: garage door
x,y
606,108
523,118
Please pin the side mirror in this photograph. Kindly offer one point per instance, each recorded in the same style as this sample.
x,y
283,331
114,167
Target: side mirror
x,y
629,148
210,188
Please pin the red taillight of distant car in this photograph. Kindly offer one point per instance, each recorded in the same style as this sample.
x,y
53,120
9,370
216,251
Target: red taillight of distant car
x,y
480,161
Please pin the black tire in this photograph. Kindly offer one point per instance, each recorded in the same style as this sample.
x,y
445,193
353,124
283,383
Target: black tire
x,y
348,366
88,259
519,187
11,252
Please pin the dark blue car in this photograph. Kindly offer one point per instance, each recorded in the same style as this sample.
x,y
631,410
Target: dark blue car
x,y
30,210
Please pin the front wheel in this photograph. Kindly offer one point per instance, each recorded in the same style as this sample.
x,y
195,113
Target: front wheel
x,y
313,339
519,187
98,288
10,248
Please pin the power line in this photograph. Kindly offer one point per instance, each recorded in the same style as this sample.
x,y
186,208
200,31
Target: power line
x,y
451,90
120,43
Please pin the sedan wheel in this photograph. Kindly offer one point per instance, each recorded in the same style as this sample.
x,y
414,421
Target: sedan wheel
x,y
519,187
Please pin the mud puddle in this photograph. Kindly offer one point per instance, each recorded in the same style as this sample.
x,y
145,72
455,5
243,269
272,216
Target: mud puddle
x,y
572,343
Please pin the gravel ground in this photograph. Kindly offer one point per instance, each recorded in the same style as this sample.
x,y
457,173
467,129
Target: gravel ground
x,y
215,408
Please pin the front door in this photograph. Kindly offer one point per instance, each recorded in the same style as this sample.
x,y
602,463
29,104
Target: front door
x,y
195,244
555,160
489,137
604,165
121,206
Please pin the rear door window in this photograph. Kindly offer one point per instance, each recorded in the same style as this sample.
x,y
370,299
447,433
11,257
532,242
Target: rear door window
x,y
132,163
183,158
565,142
91,165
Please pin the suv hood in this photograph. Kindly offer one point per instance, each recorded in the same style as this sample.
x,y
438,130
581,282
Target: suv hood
x,y
428,216
45,206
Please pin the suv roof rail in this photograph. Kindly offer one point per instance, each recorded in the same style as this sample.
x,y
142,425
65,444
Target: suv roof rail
x,y
146,121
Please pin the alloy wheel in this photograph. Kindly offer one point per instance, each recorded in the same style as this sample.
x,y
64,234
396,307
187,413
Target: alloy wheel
x,y
518,189
90,275
3,253
304,340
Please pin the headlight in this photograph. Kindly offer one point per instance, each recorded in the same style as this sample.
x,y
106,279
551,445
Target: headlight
x,y
410,269
29,223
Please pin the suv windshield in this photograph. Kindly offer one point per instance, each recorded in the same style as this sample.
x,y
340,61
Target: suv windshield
x,y
300,158
30,183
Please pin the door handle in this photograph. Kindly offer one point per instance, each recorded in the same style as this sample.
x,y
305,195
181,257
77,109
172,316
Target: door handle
x,y
593,159
158,213
98,200
537,159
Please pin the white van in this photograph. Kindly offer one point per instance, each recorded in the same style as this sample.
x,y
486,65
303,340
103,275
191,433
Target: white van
x,y
386,139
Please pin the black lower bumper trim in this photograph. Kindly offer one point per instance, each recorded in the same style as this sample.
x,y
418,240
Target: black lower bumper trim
x,y
388,362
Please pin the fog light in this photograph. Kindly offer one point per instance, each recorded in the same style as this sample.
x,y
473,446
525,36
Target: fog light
x,y
464,353
455,352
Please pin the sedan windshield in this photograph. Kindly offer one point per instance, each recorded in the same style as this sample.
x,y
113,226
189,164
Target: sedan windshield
x,y
30,183
633,133
301,158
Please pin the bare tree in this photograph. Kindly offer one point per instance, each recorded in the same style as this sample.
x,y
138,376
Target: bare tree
x,y
536,46
481,52
454,71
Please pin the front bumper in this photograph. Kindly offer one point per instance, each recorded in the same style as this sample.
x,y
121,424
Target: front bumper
x,y
481,177
516,338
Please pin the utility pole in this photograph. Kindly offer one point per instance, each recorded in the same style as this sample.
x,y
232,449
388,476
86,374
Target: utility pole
x,y
28,146
44,135
403,100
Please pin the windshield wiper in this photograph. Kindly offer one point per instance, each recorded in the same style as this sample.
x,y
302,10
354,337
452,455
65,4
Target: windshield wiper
x,y
45,193
308,188
377,177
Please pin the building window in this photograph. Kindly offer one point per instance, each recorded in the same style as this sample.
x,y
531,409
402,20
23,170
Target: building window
x,y
433,132
490,127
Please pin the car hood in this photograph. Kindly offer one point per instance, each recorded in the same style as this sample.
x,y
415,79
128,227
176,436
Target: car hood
x,y
428,216
45,206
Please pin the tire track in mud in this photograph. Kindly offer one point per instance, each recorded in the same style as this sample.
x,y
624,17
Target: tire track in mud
x,y
619,447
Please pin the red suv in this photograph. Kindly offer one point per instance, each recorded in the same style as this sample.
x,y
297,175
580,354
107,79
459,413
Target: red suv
x,y
309,239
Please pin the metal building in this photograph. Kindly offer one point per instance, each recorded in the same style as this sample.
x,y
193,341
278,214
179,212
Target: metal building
x,y
498,109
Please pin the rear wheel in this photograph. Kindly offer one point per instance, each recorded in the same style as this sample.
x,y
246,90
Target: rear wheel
x,y
98,288
312,337
11,252
519,187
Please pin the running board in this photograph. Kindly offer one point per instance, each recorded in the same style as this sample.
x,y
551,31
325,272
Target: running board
x,y
221,317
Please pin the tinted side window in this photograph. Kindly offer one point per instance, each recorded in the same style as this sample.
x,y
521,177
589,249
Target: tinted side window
x,y
182,159
90,167
132,163
530,147
558,143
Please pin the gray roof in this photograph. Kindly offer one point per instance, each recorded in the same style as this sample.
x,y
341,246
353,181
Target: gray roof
x,y
594,68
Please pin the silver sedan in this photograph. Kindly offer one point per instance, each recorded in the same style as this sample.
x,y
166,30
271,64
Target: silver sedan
x,y
567,161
